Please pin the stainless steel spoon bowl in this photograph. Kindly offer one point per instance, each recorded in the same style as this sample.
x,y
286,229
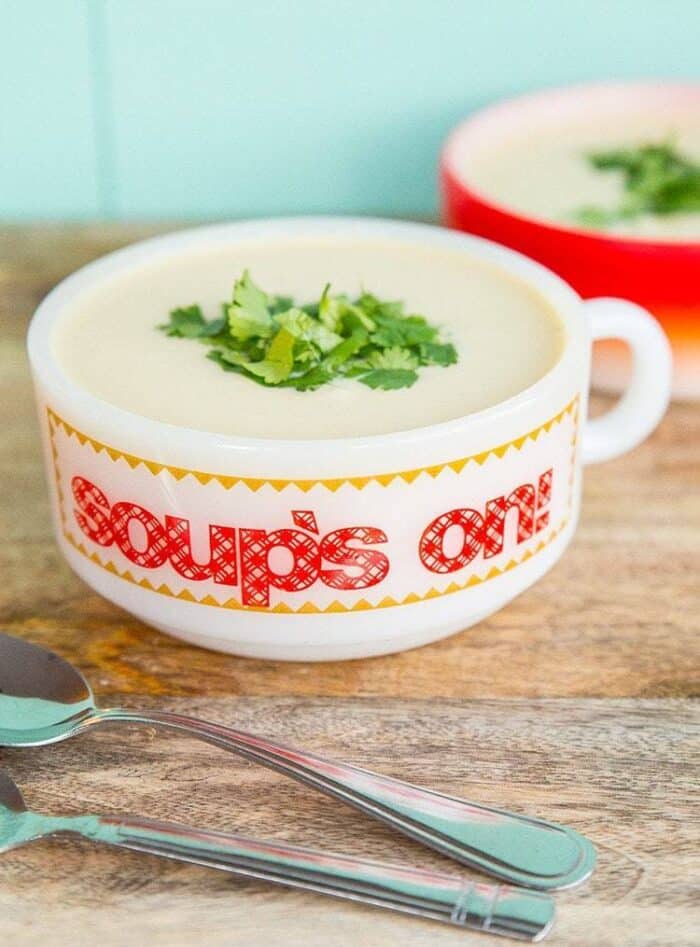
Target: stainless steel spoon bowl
x,y
527,915
43,699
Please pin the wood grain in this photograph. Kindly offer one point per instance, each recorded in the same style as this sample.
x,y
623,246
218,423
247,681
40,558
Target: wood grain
x,y
573,703
621,771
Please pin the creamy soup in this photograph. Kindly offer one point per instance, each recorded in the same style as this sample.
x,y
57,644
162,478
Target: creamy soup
x,y
507,337
544,172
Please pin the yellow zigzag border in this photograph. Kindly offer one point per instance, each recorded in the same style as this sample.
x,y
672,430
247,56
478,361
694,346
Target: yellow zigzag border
x,y
308,608
332,484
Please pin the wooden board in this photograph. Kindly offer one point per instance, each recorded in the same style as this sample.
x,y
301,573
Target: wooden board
x,y
611,633
621,771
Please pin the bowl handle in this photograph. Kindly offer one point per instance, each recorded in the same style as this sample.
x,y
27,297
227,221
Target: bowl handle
x,y
645,400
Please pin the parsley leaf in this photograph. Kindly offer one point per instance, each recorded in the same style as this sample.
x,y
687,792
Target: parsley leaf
x,y
393,358
438,353
215,327
308,329
313,379
275,342
344,350
279,361
390,378
657,179
186,322
393,368
330,310
220,357
248,314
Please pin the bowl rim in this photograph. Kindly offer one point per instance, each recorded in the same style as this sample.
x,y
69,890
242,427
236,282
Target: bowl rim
x,y
470,128
126,424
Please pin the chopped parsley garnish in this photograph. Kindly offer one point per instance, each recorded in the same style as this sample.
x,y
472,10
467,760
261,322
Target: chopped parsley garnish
x,y
276,342
657,179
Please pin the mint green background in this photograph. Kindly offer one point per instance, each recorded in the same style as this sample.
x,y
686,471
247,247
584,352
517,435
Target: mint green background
x,y
219,108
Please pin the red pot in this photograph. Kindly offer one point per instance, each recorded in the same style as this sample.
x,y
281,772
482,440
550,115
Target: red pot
x,y
663,276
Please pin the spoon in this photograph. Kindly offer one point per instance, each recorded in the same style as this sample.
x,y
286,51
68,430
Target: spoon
x,y
527,915
44,699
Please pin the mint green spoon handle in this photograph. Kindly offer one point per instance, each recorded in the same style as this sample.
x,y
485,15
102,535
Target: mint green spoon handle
x,y
499,909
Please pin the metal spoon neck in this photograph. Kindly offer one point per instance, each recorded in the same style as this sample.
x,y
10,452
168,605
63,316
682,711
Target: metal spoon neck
x,y
119,715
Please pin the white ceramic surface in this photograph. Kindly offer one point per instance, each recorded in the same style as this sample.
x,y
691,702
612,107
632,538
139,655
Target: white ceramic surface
x,y
318,550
